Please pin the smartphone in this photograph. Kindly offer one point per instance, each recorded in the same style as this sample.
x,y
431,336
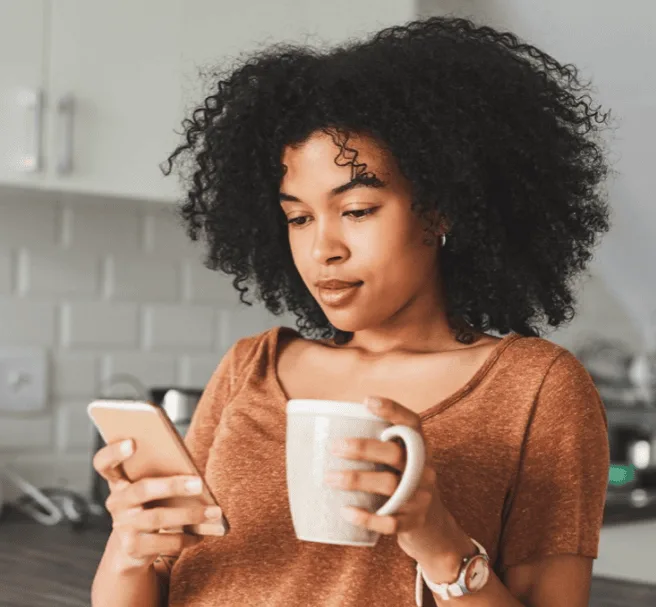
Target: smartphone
x,y
159,451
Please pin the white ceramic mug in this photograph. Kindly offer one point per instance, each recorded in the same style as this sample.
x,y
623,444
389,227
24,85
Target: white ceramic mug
x,y
312,427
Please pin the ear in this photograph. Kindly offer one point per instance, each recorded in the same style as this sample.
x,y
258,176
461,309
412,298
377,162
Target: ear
x,y
435,223
443,223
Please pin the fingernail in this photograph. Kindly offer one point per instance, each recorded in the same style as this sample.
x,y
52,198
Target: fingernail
x,y
213,512
193,485
126,447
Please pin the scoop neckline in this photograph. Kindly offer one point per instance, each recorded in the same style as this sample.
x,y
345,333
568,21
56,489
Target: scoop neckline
x,y
460,393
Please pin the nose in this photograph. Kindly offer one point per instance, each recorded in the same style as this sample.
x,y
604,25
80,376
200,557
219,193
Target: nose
x,y
328,243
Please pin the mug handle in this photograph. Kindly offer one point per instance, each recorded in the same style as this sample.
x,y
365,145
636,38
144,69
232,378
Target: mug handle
x,y
411,477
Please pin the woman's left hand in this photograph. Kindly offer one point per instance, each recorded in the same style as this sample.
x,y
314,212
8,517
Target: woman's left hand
x,y
421,524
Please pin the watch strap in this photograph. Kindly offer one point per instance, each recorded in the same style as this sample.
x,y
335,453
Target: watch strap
x,y
446,590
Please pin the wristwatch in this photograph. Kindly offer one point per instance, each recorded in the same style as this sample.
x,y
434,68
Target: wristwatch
x,y
473,575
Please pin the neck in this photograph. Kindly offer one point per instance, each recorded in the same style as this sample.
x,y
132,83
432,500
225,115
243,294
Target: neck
x,y
420,327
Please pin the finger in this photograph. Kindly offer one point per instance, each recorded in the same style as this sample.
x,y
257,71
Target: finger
x,y
149,489
382,483
418,505
387,525
143,547
390,453
393,412
151,520
108,460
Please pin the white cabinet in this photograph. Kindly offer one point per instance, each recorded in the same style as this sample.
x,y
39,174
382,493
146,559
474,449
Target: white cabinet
x,y
93,93
108,76
22,70
114,89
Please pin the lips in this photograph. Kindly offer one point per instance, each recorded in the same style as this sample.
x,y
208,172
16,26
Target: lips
x,y
337,297
335,284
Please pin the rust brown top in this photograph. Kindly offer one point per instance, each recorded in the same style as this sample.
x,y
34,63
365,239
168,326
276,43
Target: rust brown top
x,y
521,453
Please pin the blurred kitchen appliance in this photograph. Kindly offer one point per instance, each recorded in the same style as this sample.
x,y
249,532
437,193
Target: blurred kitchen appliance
x,y
626,380
179,404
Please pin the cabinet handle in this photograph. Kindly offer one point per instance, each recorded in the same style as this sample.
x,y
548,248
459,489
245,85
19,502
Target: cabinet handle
x,y
31,160
65,113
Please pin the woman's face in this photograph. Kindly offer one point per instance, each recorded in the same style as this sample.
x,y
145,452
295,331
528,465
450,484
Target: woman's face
x,y
362,233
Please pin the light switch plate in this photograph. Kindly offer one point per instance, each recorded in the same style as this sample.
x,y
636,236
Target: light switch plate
x,y
23,379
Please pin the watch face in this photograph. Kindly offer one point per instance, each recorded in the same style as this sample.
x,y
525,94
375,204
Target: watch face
x,y
477,573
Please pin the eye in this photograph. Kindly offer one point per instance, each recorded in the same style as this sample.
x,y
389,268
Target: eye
x,y
356,214
364,212
295,221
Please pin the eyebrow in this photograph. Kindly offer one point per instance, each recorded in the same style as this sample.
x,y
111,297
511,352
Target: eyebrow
x,y
359,181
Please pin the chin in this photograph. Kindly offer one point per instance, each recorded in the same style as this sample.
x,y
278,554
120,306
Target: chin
x,y
342,321
350,321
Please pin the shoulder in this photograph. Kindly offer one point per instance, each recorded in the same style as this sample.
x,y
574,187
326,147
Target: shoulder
x,y
238,356
245,348
558,367
565,392
236,365
257,349
547,374
536,349
545,359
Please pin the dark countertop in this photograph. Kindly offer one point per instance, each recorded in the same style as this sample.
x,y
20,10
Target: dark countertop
x,y
54,566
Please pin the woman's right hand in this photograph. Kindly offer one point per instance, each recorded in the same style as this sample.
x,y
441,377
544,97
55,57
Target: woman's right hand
x,y
138,542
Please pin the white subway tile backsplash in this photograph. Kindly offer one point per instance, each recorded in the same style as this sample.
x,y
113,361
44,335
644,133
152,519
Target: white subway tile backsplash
x,y
130,279
101,227
165,236
235,323
172,327
73,429
74,374
150,369
197,370
26,323
28,218
99,324
58,272
28,434
110,287
206,286
6,270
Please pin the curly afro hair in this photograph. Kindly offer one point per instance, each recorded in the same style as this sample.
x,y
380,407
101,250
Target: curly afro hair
x,y
493,134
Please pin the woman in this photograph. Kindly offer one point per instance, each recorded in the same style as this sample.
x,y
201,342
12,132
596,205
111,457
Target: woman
x,y
450,174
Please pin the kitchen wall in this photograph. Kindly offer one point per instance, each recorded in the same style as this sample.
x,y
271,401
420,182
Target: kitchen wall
x,y
114,285
600,314
106,286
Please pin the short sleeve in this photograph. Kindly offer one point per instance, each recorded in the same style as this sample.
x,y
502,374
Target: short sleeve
x,y
557,503
200,434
